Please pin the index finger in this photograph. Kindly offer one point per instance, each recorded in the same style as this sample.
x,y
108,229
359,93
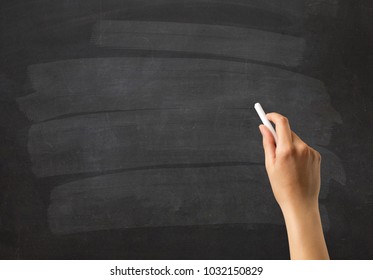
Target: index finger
x,y
282,128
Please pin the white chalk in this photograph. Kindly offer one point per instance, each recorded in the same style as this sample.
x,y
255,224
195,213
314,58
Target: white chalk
x,y
264,119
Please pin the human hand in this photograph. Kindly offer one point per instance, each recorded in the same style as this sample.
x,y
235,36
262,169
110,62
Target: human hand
x,y
292,166
293,169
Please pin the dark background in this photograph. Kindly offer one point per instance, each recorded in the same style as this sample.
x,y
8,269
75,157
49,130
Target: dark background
x,y
339,53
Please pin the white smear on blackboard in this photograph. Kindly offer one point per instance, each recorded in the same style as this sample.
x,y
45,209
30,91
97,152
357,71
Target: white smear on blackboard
x,y
220,40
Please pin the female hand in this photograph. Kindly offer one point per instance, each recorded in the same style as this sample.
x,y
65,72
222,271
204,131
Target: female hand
x,y
293,169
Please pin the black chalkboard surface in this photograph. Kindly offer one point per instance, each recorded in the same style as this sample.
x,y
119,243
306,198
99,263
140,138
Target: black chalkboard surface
x,y
128,129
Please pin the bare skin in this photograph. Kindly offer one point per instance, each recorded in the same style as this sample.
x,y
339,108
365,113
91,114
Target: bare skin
x,y
293,169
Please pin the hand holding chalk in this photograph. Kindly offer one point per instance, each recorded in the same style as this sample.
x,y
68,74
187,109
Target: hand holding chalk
x,y
293,170
265,120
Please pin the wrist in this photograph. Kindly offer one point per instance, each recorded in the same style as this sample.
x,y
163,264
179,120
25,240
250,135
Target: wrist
x,y
304,229
300,211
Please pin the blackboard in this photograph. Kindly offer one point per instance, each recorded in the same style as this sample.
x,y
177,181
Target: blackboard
x,y
128,129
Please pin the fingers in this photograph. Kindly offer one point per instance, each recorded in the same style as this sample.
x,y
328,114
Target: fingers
x,y
287,140
316,154
268,144
296,139
282,129
302,145
297,142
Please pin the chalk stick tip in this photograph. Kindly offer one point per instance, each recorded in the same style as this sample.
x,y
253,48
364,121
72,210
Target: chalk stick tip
x,y
257,106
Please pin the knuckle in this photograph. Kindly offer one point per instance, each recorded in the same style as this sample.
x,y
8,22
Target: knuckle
x,y
318,156
287,152
304,149
284,120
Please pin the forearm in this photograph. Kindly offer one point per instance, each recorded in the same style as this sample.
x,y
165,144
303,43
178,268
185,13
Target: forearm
x,y
305,234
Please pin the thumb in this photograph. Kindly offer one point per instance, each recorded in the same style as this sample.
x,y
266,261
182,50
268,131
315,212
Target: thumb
x,y
268,144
